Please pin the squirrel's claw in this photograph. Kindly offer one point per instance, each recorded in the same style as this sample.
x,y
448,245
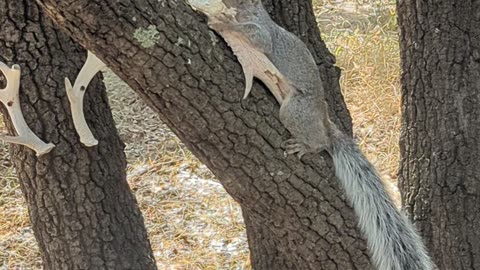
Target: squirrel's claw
x,y
292,146
288,142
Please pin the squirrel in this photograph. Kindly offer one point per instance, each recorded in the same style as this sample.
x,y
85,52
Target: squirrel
x,y
285,65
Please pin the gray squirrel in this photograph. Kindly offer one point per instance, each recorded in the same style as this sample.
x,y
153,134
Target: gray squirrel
x,y
283,62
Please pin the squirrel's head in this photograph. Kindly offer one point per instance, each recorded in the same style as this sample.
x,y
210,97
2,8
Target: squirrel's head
x,y
213,8
241,3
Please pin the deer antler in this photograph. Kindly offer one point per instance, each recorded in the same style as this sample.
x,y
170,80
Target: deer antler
x,y
75,96
10,98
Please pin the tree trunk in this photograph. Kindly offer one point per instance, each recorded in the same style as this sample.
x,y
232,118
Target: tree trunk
x,y
83,213
440,145
167,54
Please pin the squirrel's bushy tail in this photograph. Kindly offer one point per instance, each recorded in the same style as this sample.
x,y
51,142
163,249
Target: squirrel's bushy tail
x,y
392,240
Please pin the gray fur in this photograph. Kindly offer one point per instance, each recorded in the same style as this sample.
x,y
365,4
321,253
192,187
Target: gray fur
x,y
281,53
306,107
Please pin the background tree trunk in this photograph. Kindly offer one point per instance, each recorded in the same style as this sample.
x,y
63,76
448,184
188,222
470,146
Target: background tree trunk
x,y
440,145
83,213
195,84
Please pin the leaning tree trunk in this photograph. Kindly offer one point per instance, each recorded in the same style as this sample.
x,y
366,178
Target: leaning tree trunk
x,y
165,52
82,211
440,170
297,17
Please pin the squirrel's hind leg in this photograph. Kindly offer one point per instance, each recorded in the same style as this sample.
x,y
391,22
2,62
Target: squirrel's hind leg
x,y
294,146
307,120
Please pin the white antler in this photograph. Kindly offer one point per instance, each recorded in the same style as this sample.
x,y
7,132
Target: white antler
x,y
10,98
75,96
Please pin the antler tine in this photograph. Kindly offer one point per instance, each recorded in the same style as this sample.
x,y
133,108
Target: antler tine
x,y
10,98
76,93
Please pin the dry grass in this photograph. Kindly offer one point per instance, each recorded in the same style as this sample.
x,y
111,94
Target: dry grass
x,y
363,36
192,222
18,249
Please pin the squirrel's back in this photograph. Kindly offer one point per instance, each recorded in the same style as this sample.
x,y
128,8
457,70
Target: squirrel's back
x,y
302,71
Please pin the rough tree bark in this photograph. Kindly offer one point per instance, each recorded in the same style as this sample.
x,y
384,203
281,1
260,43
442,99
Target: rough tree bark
x,y
190,77
440,145
82,211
